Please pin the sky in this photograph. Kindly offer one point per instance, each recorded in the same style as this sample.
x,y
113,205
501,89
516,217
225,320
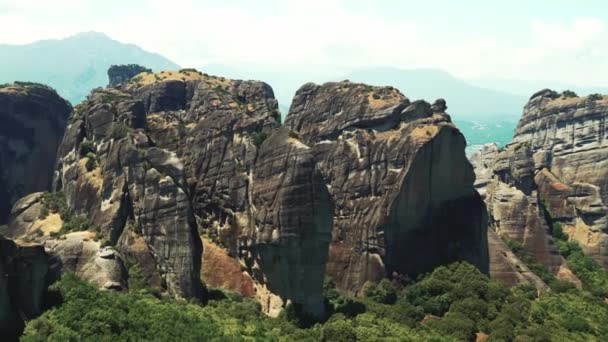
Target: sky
x,y
528,40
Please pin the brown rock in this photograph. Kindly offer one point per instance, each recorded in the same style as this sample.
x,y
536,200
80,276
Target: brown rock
x,y
555,174
220,270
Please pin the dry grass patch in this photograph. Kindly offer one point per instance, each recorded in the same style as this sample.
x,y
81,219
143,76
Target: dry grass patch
x,y
145,78
425,132
93,177
52,223
377,101
13,89
569,101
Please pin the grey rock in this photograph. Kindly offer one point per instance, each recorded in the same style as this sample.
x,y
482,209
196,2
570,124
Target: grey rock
x,y
398,180
33,120
24,269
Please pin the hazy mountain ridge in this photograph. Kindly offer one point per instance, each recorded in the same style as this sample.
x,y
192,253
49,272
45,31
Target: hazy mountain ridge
x,y
465,101
527,87
74,65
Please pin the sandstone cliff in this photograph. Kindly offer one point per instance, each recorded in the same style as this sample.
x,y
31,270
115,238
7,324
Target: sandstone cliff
x,y
33,118
554,174
397,173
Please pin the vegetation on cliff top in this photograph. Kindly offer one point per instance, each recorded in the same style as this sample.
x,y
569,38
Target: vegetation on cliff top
x,y
452,303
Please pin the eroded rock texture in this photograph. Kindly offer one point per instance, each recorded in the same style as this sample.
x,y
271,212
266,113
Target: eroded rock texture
x,y
554,173
111,170
23,282
400,182
292,214
360,184
175,152
33,118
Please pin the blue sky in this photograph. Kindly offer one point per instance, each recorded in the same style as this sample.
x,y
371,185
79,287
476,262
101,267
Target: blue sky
x,y
548,40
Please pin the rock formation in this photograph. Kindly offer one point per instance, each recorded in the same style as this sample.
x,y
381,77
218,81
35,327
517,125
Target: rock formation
x,y
360,184
158,158
111,170
397,173
23,282
554,174
119,74
33,118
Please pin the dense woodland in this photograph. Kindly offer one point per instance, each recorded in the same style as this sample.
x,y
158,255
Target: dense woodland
x,y
453,303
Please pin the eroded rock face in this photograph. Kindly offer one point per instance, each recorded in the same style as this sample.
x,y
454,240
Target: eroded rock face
x,y
23,282
292,215
401,184
110,170
33,120
80,253
198,151
361,184
554,173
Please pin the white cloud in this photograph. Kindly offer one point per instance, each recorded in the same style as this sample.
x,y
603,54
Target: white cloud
x,y
567,37
316,32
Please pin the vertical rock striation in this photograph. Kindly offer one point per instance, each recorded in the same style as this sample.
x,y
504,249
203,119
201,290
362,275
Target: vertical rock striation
x,y
554,174
292,215
33,119
135,193
397,173
361,184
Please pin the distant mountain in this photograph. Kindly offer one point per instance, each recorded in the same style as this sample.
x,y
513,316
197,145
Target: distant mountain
x,y
73,65
527,88
465,101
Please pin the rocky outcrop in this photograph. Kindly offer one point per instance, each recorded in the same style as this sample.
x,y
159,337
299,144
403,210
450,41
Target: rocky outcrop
x,y
119,74
399,179
23,282
159,158
554,175
361,184
80,253
109,170
33,119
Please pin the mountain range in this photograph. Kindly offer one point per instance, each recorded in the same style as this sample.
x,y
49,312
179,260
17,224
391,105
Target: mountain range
x,y
74,65
79,63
